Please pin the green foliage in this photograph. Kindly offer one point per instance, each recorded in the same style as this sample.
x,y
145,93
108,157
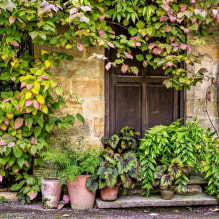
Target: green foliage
x,y
119,164
210,165
2,199
190,144
124,140
169,175
28,187
29,96
72,160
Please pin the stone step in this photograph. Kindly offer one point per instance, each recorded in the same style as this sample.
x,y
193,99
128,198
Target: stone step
x,y
9,196
197,180
156,200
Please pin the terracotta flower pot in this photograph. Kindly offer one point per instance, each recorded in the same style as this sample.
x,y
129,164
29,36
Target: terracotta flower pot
x,y
167,194
51,190
81,198
109,193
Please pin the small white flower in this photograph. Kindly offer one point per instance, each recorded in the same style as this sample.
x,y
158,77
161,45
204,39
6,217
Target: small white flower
x,y
215,11
197,11
73,11
85,8
204,13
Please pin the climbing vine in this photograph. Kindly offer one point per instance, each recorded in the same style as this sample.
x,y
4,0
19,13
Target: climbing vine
x,y
156,29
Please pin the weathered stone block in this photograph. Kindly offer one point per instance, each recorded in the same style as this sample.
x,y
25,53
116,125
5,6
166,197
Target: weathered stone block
x,y
78,69
99,127
93,108
211,50
9,196
88,87
189,108
200,108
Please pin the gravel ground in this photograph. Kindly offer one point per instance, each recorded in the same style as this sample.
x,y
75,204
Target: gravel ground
x,y
35,211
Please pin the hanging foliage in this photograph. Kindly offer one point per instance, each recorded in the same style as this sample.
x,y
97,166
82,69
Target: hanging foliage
x,y
156,29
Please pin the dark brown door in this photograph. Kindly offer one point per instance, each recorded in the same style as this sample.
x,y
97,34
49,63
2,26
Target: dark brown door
x,y
140,101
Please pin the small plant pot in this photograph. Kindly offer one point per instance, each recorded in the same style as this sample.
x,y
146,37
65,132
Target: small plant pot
x,y
51,190
167,194
109,193
81,198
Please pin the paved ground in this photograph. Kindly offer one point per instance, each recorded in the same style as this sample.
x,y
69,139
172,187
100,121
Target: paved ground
x,y
14,210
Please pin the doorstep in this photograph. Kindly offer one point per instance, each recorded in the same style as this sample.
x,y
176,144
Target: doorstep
x,y
9,196
156,201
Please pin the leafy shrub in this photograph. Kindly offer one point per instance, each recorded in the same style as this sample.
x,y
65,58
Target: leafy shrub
x,y
194,146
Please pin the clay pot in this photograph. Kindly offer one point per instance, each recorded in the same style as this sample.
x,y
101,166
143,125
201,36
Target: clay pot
x,y
81,198
51,190
109,193
167,194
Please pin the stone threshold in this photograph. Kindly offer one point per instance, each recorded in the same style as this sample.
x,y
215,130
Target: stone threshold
x,y
157,201
9,196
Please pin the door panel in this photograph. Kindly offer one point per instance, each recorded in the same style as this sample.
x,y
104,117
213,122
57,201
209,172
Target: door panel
x,y
140,101
159,105
128,108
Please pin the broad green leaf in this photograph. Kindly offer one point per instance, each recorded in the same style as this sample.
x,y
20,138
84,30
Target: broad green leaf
x,y
29,122
80,117
49,127
140,24
33,34
37,131
20,162
3,161
6,95
42,35
17,151
17,186
140,57
133,31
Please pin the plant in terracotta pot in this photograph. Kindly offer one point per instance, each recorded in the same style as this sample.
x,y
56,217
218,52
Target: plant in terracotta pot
x,y
119,165
75,166
50,187
168,177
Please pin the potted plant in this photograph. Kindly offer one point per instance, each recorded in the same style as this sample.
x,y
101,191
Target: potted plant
x,y
50,187
162,144
75,166
119,165
168,177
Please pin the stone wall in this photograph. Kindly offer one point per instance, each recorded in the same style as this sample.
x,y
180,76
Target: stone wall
x,y
83,78
196,104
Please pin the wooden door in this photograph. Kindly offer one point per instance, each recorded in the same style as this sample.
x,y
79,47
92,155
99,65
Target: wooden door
x,y
139,101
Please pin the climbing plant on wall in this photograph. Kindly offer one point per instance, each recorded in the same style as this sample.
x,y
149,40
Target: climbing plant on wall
x,y
29,96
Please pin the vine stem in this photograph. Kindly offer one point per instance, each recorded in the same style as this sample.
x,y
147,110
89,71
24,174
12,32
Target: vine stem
x,y
209,118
